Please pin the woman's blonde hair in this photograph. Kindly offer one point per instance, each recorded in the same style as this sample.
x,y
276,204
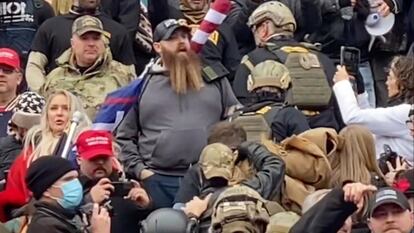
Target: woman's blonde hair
x,y
41,139
355,160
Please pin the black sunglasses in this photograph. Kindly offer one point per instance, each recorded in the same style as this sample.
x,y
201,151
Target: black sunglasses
x,y
7,70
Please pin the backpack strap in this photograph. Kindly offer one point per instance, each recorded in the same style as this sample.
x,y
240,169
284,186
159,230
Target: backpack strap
x,y
276,50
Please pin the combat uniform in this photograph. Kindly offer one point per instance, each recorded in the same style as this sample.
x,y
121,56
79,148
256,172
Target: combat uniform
x,y
92,85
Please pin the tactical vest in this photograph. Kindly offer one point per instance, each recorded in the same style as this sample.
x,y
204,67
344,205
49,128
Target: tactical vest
x,y
257,123
310,89
18,26
240,209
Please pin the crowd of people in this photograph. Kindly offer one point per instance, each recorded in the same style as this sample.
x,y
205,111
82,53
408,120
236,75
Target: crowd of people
x,y
113,121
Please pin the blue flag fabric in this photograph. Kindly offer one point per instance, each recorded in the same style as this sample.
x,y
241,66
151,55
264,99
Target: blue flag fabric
x,y
118,103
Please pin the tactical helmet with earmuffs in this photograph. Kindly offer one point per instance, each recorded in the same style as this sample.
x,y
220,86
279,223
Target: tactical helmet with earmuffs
x,y
275,11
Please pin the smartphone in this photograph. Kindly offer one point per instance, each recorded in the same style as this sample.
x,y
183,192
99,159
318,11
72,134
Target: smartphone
x,y
350,58
121,188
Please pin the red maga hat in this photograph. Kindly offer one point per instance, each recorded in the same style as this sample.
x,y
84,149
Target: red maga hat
x,y
94,143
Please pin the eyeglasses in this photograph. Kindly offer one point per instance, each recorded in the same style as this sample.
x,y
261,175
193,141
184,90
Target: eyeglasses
x,y
7,70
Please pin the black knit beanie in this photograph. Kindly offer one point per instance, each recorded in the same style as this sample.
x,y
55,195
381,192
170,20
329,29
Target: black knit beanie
x,y
44,172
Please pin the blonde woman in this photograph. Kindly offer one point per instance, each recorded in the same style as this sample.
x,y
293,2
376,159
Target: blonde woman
x,y
41,140
355,159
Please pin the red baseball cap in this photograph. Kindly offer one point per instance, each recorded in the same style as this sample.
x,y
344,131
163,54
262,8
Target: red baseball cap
x,y
93,143
9,57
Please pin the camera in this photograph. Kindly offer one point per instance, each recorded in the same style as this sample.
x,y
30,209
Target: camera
x,y
121,188
387,156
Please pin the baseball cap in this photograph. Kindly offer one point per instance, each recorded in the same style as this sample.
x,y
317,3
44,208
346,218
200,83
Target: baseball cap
x,y
269,73
86,24
93,143
9,57
388,196
166,28
217,160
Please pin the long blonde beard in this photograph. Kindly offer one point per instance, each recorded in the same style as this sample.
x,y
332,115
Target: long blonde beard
x,y
184,71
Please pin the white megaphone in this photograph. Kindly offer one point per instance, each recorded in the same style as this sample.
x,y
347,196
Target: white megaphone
x,y
377,26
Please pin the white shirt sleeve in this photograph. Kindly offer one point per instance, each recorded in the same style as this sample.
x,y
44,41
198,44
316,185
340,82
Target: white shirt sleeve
x,y
388,121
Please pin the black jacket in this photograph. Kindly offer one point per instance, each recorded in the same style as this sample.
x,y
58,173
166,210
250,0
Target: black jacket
x,y
408,7
267,181
18,24
284,121
52,41
270,170
330,117
52,219
336,31
10,148
125,216
328,215
306,13
127,13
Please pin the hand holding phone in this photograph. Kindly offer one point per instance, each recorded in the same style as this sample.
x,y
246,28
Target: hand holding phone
x,y
350,58
121,188
102,190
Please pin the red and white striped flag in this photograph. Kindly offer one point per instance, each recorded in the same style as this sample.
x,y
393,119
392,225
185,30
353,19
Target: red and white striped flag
x,y
214,17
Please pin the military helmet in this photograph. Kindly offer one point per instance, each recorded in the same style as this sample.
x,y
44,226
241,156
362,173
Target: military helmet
x,y
275,11
269,74
165,220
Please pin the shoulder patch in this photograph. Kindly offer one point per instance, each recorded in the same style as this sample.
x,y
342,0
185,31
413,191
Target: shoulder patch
x,y
214,36
213,72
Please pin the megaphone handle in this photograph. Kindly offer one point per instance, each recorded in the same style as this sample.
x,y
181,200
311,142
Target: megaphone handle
x,y
371,42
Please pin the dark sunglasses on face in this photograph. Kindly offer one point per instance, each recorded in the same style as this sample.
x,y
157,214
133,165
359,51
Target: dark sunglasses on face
x,y
6,70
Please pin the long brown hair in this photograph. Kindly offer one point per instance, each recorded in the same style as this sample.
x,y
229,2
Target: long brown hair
x,y
355,160
184,70
403,68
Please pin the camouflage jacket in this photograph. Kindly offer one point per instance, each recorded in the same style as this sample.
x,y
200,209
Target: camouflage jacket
x,y
91,86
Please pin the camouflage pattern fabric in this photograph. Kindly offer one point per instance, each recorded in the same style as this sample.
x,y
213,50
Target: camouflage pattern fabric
x,y
91,87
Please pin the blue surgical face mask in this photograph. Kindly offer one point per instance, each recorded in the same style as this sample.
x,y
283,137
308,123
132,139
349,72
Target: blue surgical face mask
x,y
72,194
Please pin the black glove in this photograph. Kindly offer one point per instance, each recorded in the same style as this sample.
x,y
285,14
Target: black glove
x,y
250,150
